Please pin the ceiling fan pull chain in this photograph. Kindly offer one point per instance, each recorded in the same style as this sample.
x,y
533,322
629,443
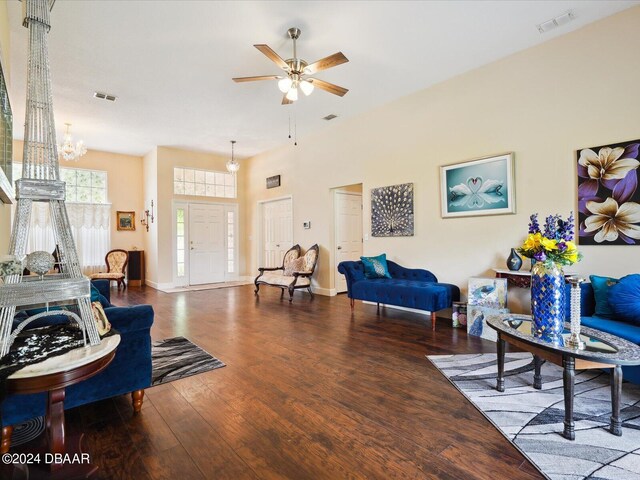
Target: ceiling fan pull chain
x,y
289,125
295,130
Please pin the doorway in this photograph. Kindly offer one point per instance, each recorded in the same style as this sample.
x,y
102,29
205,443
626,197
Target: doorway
x,y
276,231
347,216
206,243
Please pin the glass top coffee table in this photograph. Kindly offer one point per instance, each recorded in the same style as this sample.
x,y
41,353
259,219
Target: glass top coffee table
x,y
602,350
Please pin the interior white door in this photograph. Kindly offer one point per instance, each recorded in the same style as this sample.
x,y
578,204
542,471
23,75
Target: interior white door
x,y
277,231
348,228
206,244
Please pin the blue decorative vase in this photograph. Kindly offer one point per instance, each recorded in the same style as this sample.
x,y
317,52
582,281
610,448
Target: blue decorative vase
x,y
514,262
547,301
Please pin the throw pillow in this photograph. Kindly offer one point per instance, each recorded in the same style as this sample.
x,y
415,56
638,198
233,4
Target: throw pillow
x,y
376,267
95,293
601,287
296,265
624,298
101,318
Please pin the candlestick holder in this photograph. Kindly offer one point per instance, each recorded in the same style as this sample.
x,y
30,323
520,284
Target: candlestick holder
x,y
574,340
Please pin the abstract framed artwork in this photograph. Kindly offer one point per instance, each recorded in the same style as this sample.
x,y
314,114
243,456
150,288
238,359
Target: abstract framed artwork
x,y
484,186
608,196
392,211
126,220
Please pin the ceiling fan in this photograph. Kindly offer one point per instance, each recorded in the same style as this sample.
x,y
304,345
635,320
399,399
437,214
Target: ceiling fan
x,y
298,71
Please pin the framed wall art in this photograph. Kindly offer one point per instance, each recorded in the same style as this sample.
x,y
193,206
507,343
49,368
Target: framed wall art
x,y
392,211
479,187
608,195
126,220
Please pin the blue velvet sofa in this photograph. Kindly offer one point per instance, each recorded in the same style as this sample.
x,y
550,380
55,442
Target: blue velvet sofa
x,y
626,330
408,287
129,372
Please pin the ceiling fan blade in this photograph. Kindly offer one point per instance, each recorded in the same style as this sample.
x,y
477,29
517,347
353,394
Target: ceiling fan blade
x,y
273,56
285,100
329,87
326,62
253,79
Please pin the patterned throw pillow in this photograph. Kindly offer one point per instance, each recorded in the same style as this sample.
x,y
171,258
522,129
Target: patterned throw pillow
x,y
376,267
601,287
624,299
296,265
101,318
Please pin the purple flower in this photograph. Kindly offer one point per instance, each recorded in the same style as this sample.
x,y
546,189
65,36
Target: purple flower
x,y
540,256
562,247
534,226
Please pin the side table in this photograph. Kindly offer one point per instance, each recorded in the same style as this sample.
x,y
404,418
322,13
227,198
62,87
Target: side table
x,y
53,375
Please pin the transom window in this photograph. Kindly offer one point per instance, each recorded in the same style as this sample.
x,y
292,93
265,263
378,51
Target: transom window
x,y
83,186
203,183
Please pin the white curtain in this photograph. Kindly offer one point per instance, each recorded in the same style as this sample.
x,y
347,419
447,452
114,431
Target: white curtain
x,y
90,227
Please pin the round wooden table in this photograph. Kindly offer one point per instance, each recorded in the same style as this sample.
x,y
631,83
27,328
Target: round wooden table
x,y
53,375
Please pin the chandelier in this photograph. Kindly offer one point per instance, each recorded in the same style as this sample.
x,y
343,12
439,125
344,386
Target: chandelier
x,y
68,151
232,165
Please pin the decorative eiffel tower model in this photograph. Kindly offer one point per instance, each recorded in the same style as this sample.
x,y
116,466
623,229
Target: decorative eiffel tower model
x,y
41,183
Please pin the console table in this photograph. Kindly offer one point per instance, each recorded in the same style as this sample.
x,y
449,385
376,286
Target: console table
x,y
520,278
603,351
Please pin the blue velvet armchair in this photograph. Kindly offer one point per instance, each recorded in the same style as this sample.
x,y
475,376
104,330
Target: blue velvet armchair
x,y
129,372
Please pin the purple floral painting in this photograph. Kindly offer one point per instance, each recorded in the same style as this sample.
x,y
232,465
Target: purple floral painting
x,y
608,196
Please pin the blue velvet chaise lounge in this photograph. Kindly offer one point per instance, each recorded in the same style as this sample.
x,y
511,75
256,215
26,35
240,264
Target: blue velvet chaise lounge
x,y
129,372
409,287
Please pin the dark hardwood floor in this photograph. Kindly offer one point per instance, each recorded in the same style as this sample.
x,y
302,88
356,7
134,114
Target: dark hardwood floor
x,y
310,391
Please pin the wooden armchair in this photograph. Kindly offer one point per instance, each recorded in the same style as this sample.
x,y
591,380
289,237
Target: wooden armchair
x,y
295,272
116,261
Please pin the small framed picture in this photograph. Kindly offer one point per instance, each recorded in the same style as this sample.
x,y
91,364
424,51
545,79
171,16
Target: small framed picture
x,y
479,187
126,220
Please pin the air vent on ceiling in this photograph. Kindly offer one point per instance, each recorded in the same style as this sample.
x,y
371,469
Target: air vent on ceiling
x,y
558,21
330,117
105,96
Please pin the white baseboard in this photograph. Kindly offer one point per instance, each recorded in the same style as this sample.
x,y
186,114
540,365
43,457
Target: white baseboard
x,y
159,286
405,309
328,292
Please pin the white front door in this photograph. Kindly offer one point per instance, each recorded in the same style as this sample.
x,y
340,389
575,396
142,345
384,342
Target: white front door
x,y
277,231
207,252
348,228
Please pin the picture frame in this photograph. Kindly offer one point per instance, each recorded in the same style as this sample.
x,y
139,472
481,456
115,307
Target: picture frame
x,y
126,221
484,186
392,212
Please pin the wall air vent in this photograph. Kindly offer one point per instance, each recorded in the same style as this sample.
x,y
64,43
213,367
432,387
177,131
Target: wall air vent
x,y
330,117
105,96
558,21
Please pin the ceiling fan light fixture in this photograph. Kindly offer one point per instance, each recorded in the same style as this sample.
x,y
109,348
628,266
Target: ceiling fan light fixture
x,y
292,94
285,84
306,87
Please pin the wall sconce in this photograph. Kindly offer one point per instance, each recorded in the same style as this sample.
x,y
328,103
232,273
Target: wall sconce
x,y
146,217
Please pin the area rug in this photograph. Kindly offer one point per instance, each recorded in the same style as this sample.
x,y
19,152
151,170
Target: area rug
x,y
172,359
176,358
532,419
206,286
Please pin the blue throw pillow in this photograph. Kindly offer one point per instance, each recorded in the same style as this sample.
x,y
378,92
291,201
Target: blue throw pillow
x,y
376,267
624,298
95,294
601,286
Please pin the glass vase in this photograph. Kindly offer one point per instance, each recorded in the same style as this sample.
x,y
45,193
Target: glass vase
x,y
547,301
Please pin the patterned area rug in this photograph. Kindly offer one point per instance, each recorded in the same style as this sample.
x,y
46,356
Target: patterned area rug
x,y
172,359
532,419
176,358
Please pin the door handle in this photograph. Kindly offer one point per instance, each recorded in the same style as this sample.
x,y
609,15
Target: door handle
x,y
339,248
277,244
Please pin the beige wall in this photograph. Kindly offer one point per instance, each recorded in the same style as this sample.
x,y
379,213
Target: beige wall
x,y
150,192
576,91
124,188
5,210
164,159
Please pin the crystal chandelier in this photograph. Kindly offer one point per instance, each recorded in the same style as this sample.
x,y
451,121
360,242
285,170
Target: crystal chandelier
x,y
232,165
68,151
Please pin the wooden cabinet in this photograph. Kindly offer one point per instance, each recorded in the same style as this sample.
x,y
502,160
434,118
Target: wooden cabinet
x,y
135,268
